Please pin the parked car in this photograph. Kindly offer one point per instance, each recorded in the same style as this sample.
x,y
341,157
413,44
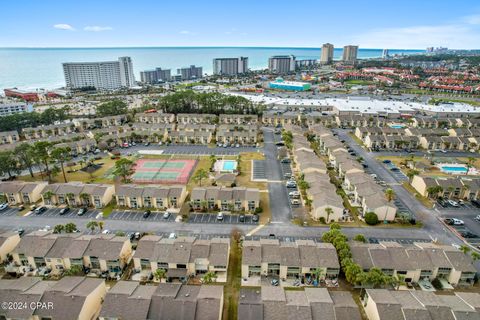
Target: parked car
x,y
106,231
146,214
255,218
453,203
220,216
387,161
476,203
172,236
21,207
294,194
477,218
166,215
275,282
285,160
64,210
442,202
147,144
458,222
291,184
294,202
468,234
40,210
241,218
3,206
271,236
82,211
287,175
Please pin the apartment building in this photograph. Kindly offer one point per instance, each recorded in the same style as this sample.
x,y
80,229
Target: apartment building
x,y
416,262
237,134
107,75
230,66
196,118
188,136
275,118
182,258
350,54
67,298
8,241
224,198
151,196
327,53
155,117
190,73
325,201
78,194
9,137
311,303
238,119
447,187
131,300
155,76
381,304
59,252
19,192
61,129
12,107
281,64
302,259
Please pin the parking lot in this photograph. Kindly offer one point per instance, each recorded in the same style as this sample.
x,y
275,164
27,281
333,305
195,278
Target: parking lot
x,y
258,170
71,214
212,218
396,172
131,215
9,212
198,150
399,240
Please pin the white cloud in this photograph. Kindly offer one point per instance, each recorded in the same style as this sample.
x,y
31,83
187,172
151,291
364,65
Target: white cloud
x,y
455,36
187,32
97,28
474,19
63,26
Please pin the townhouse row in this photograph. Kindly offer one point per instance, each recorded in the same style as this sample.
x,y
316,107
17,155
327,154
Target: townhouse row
x,y
182,258
93,195
361,188
197,118
225,199
467,188
89,298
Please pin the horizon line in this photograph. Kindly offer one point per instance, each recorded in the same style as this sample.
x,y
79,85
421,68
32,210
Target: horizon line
x,y
185,47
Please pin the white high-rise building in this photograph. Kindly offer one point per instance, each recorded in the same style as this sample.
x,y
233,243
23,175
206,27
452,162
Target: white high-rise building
x,y
327,53
230,66
281,64
106,75
385,54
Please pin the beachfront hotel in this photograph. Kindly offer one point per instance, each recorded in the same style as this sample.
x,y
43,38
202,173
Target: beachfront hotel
x,y
350,54
281,64
104,75
327,53
230,66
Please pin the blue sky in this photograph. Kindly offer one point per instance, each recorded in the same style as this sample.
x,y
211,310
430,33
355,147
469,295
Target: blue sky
x,y
405,24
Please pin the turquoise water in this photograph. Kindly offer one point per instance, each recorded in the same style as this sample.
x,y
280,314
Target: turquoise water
x,y
397,126
451,169
229,165
31,68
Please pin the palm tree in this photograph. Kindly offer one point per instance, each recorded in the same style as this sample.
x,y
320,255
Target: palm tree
x,y
70,227
160,274
70,197
475,256
465,249
434,191
319,273
389,194
58,228
92,225
209,277
328,211
48,195
470,162
85,197
101,224
62,155
200,175
412,173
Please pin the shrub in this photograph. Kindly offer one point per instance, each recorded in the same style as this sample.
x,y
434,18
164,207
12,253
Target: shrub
x,y
371,218
360,238
322,220
258,210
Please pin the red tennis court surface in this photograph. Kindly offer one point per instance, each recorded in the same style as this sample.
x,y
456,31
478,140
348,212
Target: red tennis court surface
x,y
163,171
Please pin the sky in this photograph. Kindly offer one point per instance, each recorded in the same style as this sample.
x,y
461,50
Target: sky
x,y
406,24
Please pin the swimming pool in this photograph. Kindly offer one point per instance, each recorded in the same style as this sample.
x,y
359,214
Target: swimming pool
x,y
397,126
229,165
454,169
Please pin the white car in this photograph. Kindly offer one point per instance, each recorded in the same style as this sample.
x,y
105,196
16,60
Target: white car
x,y
106,231
220,216
294,194
295,202
291,184
3,206
172,236
453,203
458,222
477,218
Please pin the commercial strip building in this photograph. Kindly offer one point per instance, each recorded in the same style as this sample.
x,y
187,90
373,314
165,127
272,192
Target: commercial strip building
x,y
275,303
327,53
281,64
68,298
381,304
301,260
155,76
416,263
181,258
131,300
106,75
230,66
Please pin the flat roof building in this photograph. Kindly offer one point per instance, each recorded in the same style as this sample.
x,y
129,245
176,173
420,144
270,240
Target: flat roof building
x,y
190,73
350,54
105,75
327,53
281,64
155,76
230,66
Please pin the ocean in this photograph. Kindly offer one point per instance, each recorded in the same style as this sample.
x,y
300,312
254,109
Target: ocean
x,y
33,68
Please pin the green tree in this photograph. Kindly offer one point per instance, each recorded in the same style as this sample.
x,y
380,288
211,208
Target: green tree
x,y
360,238
328,211
475,256
85,197
25,155
62,155
389,194
92,225
371,218
111,108
160,274
8,163
70,227
101,225
209,277
434,191
59,228
123,168
465,249
41,154
412,173
74,270
200,175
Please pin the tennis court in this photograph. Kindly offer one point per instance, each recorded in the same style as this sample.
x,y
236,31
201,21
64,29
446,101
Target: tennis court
x,y
163,171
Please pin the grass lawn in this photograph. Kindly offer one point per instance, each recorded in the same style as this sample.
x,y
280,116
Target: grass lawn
x,y
232,287
203,163
356,139
245,166
359,82
99,176
266,214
